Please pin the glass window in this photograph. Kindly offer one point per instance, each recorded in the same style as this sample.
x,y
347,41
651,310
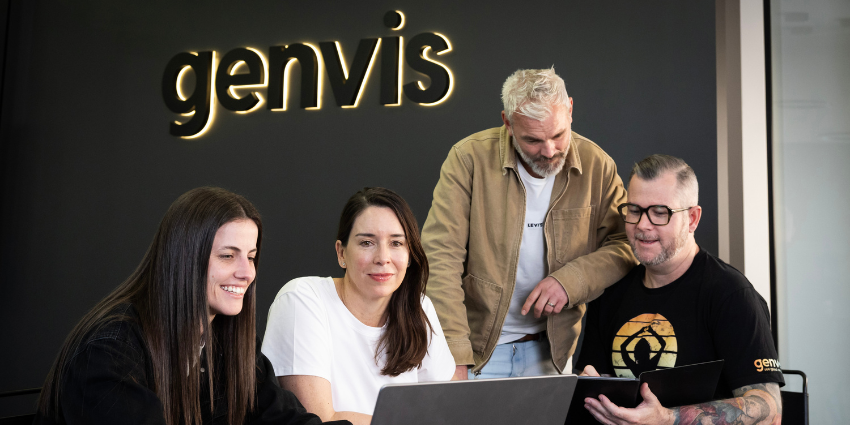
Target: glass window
x,y
810,55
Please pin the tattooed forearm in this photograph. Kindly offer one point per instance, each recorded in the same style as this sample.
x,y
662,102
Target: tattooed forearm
x,y
753,404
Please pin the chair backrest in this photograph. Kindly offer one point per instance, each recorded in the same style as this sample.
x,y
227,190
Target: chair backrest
x,y
20,419
795,405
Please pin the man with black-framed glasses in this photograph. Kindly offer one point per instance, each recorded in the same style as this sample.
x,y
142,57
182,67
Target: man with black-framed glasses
x,y
680,306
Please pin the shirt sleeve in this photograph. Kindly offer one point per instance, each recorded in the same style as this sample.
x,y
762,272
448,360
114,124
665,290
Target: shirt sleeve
x,y
297,339
105,384
438,364
276,405
742,337
445,235
593,347
586,277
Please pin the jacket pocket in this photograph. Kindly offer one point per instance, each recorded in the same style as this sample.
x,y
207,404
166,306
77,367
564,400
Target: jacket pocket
x,y
572,233
482,306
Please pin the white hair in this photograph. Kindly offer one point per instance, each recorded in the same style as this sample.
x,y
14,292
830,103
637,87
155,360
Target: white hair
x,y
533,93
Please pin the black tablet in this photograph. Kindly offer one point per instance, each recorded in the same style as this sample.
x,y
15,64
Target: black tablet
x,y
683,385
676,386
621,391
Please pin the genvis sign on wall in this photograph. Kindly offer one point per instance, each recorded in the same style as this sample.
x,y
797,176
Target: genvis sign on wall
x,y
251,72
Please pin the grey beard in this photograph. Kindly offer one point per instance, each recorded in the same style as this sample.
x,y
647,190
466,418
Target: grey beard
x,y
667,251
540,171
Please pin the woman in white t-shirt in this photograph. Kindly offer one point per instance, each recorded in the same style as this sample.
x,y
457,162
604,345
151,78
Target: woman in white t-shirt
x,y
335,341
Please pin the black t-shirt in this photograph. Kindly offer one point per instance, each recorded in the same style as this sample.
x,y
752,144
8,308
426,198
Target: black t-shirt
x,y
711,312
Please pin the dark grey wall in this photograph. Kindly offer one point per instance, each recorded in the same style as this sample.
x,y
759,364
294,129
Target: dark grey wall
x,y
89,167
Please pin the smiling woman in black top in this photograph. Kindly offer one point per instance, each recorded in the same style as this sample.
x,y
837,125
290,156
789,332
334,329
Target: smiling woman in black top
x,y
176,342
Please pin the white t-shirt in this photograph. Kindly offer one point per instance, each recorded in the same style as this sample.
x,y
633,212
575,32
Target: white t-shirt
x,y
531,268
311,332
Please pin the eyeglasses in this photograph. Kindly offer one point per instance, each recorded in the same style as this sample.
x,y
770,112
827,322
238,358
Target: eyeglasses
x,y
658,215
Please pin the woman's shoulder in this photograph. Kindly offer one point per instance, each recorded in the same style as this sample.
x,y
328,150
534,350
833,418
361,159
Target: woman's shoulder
x,y
430,312
312,293
427,305
119,327
308,286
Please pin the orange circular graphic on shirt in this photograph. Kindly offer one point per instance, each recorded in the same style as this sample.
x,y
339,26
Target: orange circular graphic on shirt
x,y
647,342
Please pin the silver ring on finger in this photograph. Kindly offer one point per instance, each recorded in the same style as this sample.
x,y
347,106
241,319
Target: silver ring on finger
x,y
550,304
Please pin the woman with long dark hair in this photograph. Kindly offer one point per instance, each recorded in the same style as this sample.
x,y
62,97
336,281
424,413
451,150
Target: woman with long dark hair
x,y
335,341
175,343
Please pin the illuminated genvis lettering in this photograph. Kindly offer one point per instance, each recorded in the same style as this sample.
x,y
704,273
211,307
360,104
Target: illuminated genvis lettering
x,y
248,71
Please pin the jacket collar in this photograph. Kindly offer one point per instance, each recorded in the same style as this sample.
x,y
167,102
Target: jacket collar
x,y
508,154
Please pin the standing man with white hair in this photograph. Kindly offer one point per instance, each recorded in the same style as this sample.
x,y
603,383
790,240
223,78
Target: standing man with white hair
x,y
523,231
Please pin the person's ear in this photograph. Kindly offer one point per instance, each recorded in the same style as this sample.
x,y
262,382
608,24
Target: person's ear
x,y
340,253
507,124
694,214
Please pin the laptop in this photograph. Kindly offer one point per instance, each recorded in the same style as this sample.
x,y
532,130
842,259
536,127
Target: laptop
x,y
539,400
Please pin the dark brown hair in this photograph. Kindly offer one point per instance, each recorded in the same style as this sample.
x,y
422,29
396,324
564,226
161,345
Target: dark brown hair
x,y
169,292
405,339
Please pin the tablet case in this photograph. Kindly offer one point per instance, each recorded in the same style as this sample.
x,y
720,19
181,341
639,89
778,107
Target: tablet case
x,y
676,386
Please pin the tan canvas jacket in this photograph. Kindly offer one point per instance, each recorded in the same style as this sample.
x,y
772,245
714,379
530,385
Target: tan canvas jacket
x,y
474,229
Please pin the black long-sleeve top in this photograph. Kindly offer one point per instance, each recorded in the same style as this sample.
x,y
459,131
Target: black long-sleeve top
x,y
110,381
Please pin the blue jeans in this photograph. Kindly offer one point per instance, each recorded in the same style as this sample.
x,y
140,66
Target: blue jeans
x,y
513,359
